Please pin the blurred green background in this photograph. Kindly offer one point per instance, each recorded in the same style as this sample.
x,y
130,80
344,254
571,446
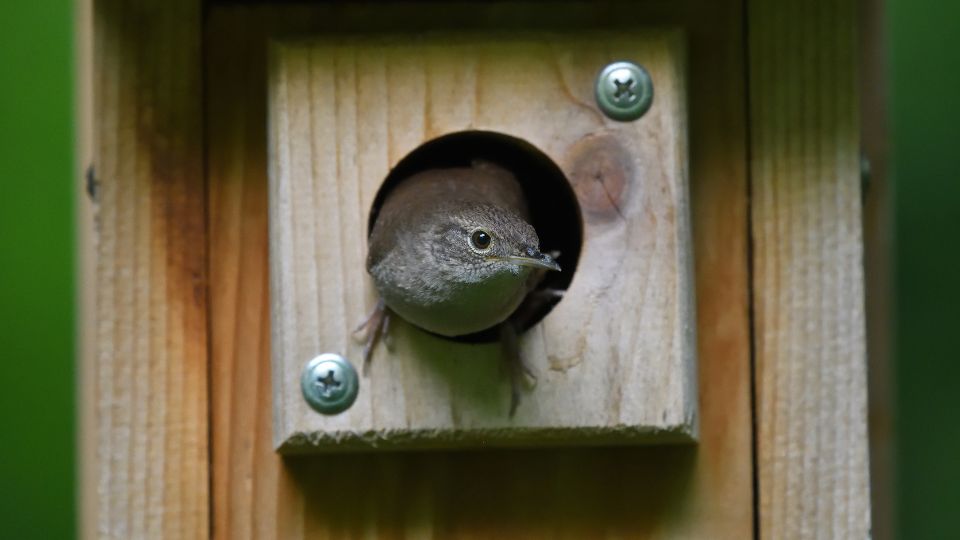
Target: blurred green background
x,y
37,471
924,113
37,411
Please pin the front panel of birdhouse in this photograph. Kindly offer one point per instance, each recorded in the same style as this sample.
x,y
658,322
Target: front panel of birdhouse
x,y
612,362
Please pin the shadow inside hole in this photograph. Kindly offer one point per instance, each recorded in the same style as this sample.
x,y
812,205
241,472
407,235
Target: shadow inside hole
x,y
553,206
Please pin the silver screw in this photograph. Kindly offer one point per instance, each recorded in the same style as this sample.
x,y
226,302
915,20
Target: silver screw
x,y
329,383
624,91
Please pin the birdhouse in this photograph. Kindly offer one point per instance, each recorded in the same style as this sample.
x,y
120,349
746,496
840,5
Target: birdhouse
x,y
614,361
694,166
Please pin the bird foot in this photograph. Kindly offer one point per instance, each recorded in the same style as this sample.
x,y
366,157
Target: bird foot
x,y
374,328
548,294
529,377
519,372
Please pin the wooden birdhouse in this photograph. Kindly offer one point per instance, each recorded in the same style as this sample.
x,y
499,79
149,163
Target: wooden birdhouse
x,y
614,360
706,355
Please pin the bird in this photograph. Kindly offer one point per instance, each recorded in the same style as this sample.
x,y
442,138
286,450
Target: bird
x,y
452,251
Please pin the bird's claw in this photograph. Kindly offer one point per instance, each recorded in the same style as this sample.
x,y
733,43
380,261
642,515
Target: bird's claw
x,y
549,294
376,326
519,372
385,334
529,377
368,320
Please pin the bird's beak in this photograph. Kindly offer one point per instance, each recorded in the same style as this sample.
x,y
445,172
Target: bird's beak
x,y
534,260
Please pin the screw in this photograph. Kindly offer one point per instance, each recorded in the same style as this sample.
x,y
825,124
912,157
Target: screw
x,y
329,383
624,91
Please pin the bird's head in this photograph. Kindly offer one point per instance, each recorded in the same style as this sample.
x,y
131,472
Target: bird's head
x,y
481,241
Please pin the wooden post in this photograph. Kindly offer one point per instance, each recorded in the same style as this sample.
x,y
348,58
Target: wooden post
x,y
810,342
149,370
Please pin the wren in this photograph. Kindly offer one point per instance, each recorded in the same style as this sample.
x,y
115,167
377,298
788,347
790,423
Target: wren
x,y
452,251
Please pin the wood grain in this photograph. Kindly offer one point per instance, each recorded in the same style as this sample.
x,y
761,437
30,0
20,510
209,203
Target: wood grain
x,y
808,271
702,492
614,359
149,369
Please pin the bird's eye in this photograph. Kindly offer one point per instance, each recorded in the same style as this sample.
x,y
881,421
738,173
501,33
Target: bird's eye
x,y
480,240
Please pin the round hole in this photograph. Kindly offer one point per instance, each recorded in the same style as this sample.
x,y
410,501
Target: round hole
x,y
553,206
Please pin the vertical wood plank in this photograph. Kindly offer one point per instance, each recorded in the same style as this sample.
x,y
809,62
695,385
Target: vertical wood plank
x,y
149,369
253,495
702,492
808,270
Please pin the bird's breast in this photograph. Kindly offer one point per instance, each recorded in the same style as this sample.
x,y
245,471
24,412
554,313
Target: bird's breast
x,y
456,310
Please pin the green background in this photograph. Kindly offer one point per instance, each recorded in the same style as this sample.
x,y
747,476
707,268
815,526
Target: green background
x,y
924,38
37,409
37,471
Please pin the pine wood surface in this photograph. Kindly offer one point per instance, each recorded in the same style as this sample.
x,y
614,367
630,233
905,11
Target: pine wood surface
x,y
146,429
148,422
614,360
808,271
696,492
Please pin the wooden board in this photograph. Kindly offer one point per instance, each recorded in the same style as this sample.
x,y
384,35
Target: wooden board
x,y
146,430
808,271
147,475
614,360
702,492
